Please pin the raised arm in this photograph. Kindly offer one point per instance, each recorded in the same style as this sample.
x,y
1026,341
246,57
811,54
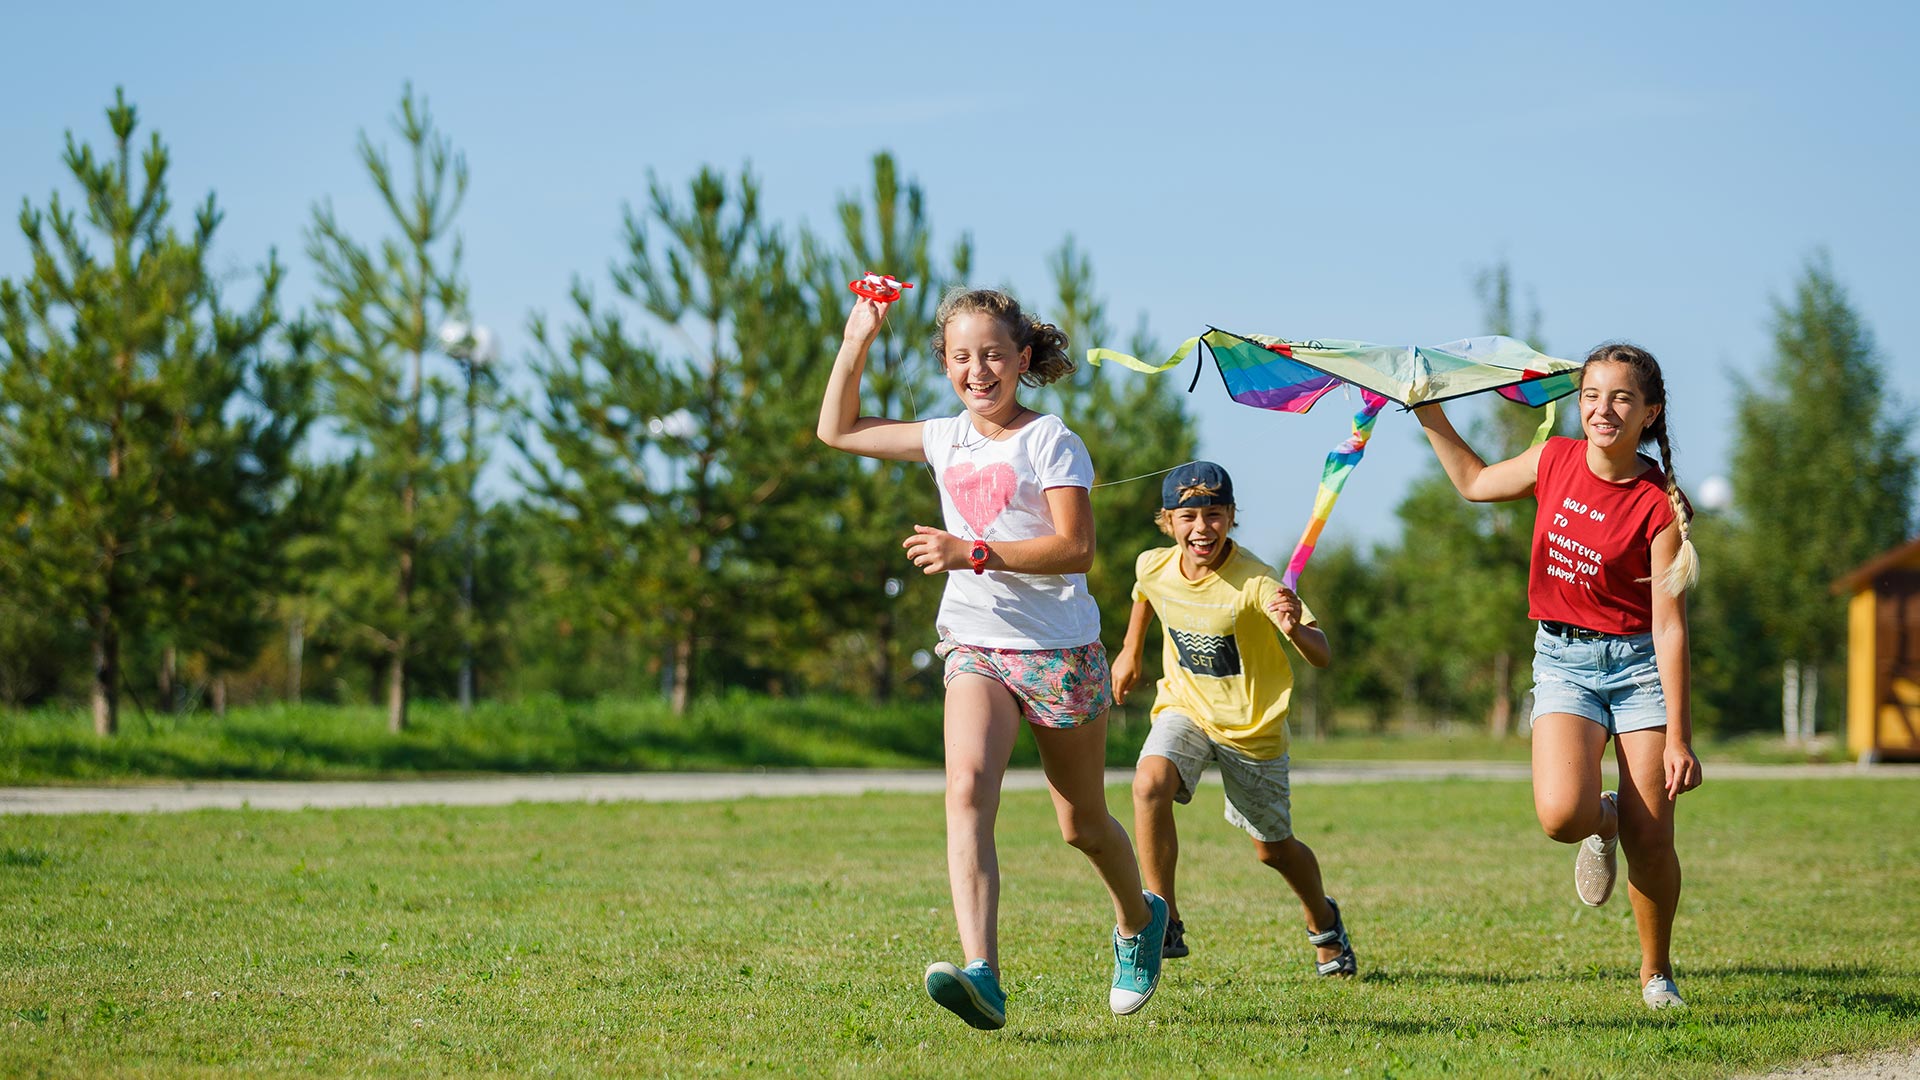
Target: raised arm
x,y
841,425
1476,480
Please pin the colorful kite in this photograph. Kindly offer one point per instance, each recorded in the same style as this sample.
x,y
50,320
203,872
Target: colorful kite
x,y
1290,376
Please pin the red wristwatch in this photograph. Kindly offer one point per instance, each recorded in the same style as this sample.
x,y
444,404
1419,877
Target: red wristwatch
x,y
977,558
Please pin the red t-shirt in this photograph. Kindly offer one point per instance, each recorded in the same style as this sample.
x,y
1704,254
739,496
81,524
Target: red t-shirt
x,y
1593,543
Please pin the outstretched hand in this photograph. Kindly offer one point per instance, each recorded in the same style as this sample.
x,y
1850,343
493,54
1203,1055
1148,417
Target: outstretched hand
x,y
863,322
1682,769
935,551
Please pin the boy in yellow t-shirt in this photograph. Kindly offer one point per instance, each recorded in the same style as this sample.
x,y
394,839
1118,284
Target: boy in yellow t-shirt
x,y
1223,699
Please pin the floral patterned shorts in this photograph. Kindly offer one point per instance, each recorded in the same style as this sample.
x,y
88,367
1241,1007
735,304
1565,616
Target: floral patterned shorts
x,y
1055,688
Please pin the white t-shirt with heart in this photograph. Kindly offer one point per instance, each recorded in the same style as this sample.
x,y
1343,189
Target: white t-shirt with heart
x,y
996,490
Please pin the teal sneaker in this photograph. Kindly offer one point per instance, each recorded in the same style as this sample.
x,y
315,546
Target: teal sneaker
x,y
972,993
1136,961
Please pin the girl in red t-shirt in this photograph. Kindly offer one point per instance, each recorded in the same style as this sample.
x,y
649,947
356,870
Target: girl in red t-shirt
x,y
1611,567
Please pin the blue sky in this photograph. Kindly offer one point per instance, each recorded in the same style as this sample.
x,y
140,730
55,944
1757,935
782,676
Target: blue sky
x,y
1654,172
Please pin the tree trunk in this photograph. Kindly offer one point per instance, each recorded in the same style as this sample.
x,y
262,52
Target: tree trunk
x,y
218,692
682,665
106,627
883,656
1409,703
1810,702
409,508
397,687
1501,722
169,676
106,674
296,650
397,662
688,621
1790,700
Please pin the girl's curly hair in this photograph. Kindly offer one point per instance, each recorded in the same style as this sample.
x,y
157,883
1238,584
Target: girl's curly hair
x,y
1050,361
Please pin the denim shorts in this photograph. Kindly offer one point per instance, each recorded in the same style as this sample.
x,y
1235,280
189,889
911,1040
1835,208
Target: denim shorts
x,y
1259,799
1612,681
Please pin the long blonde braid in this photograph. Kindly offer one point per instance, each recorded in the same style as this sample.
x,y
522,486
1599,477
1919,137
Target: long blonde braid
x,y
1685,571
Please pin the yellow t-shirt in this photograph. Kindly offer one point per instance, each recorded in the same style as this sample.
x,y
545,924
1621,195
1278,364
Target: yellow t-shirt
x,y
1225,666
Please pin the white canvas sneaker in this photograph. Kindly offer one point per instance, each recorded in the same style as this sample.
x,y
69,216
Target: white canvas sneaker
x,y
1596,867
1661,993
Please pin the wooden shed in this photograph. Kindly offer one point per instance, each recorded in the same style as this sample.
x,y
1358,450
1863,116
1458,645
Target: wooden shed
x,y
1883,655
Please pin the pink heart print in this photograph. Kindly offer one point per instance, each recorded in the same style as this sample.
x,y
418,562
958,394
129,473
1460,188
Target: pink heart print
x,y
980,493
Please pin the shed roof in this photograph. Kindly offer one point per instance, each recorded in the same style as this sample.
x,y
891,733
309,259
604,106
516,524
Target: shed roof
x,y
1860,577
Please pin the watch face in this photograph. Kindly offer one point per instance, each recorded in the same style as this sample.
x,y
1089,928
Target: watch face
x,y
979,551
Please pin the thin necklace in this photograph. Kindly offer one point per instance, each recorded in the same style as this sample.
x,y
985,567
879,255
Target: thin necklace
x,y
988,437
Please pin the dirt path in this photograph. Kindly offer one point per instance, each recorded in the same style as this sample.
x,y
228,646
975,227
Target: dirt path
x,y
691,787
1885,1065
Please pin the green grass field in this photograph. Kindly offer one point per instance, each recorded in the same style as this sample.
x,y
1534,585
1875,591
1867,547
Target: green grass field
x,y
787,937
336,742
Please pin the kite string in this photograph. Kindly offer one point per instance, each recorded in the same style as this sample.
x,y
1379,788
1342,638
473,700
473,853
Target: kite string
x,y
906,383
1142,476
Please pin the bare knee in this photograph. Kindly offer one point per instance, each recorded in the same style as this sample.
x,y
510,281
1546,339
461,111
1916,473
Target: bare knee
x,y
1565,823
1155,786
1087,831
971,792
1646,839
1278,854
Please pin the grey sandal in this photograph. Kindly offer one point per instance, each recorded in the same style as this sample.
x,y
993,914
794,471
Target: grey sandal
x,y
1176,944
1344,965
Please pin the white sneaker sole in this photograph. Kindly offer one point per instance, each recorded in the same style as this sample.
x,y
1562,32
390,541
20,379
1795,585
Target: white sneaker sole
x,y
1126,1002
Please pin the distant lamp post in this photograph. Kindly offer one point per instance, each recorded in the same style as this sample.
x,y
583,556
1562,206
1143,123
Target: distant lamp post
x,y
473,345
1716,494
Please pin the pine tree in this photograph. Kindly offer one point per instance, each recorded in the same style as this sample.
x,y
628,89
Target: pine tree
x,y
232,461
390,582
139,418
684,477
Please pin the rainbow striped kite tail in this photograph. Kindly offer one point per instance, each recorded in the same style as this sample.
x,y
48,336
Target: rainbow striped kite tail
x,y
1333,478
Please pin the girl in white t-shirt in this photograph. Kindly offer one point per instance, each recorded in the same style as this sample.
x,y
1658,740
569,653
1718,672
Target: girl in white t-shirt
x,y
1018,630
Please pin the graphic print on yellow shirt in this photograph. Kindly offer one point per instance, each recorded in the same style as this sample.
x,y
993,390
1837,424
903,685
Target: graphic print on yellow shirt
x,y
1225,662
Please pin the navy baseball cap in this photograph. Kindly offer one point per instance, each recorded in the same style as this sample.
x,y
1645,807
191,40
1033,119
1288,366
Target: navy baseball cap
x,y
1196,474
